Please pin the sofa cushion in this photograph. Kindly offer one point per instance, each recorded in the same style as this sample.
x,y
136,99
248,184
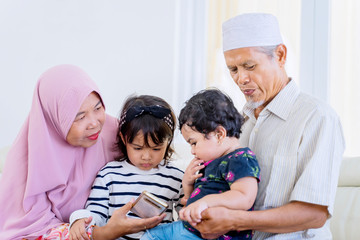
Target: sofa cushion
x,y
345,221
350,172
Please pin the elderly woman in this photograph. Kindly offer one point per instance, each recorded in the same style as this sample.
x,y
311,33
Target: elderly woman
x,y
50,167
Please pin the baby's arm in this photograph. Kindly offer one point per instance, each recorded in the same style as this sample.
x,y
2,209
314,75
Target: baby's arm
x,y
189,178
241,196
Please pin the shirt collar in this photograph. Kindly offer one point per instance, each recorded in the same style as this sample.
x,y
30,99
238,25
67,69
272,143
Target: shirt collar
x,y
281,105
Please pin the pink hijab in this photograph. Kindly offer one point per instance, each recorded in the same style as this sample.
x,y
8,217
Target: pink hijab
x,y
45,179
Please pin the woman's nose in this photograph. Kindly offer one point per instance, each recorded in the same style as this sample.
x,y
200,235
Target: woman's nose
x,y
94,122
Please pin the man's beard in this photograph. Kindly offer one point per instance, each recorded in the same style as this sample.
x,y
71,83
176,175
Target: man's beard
x,y
254,105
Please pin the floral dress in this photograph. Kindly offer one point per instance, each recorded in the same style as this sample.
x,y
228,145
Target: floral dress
x,y
218,175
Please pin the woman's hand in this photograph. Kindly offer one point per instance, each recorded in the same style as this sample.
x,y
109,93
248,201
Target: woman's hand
x,y
78,229
119,224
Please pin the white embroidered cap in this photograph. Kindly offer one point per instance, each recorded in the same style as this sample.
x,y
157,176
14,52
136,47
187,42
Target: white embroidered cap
x,y
251,30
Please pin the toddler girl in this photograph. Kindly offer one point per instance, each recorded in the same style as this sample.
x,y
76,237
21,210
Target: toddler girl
x,y
145,133
223,173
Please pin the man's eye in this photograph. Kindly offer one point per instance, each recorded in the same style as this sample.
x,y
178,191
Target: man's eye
x,y
251,67
233,70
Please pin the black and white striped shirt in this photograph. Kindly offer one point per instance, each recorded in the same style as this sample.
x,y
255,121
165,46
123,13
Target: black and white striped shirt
x,y
118,182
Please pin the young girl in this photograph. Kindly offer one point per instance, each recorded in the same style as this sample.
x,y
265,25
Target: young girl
x,y
223,173
145,133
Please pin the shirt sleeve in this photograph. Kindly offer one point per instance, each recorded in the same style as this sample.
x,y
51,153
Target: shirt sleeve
x,y
319,158
98,201
178,206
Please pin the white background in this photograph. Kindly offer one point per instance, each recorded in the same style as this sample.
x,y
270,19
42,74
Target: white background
x,y
125,46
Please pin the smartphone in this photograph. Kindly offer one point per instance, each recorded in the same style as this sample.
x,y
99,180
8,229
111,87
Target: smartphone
x,y
147,205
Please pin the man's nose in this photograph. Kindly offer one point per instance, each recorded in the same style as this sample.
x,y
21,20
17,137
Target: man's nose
x,y
242,78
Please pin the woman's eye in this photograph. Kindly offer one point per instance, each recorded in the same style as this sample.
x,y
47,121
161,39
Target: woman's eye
x,y
81,117
98,108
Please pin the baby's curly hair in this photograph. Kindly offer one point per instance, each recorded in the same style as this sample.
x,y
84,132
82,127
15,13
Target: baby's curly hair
x,y
208,109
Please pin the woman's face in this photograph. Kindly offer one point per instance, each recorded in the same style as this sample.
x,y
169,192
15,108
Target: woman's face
x,y
88,122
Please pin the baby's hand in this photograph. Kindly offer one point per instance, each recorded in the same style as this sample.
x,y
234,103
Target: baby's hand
x,y
192,213
78,229
191,174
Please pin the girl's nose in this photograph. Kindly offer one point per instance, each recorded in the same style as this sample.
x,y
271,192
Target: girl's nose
x,y
145,154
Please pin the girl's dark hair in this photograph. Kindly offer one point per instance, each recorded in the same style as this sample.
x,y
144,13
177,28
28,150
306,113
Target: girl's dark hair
x,y
208,109
156,129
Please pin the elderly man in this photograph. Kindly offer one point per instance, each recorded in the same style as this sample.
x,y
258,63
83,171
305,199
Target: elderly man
x,y
298,140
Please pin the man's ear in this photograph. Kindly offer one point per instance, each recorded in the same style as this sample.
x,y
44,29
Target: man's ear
x,y
220,132
281,54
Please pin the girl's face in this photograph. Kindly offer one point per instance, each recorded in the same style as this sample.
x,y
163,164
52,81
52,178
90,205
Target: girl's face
x,y
203,148
143,157
88,122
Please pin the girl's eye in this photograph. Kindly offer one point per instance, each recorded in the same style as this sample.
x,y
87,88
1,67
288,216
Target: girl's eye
x,y
156,149
193,144
137,149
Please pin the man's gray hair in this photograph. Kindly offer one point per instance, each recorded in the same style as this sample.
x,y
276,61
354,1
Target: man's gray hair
x,y
268,50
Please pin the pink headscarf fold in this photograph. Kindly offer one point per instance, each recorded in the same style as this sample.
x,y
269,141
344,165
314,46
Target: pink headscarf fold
x,y
44,178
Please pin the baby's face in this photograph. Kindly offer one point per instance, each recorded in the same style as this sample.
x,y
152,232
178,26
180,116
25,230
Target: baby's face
x,y
203,147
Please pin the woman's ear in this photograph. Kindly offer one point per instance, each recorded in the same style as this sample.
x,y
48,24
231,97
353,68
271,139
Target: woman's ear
x,y
220,133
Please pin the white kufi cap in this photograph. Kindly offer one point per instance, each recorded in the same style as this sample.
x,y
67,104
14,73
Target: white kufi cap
x,y
251,30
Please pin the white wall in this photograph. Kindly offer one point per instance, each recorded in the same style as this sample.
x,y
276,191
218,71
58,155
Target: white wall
x,y
125,46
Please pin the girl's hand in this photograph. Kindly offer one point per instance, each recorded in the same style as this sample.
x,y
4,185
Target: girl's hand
x,y
78,229
191,174
119,224
192,213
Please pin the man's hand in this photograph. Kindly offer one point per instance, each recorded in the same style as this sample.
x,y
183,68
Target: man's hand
x,y
215,222
78,229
